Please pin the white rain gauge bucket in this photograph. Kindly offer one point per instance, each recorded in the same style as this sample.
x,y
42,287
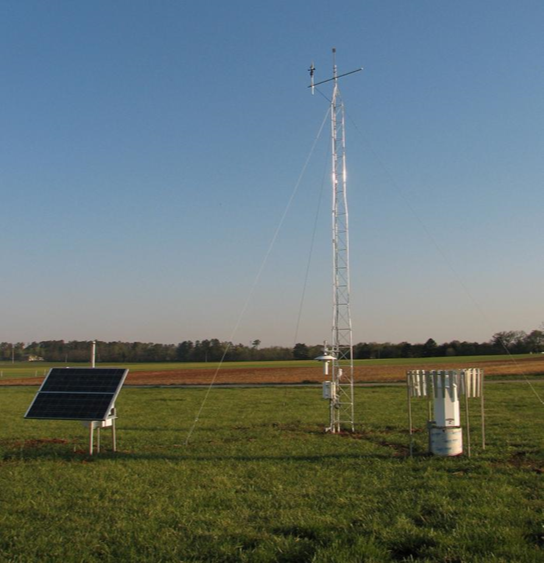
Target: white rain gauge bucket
x,y
443,390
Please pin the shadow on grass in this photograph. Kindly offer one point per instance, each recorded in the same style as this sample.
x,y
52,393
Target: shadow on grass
x,y
78,455
72,450
151,429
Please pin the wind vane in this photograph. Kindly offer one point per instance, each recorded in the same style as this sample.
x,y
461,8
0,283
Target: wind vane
x,y
335,76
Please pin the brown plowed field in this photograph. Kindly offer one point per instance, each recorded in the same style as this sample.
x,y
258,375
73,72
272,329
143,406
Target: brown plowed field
x,y
363,374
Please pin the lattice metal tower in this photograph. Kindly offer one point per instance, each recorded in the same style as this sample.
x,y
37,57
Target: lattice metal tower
x,y
340,392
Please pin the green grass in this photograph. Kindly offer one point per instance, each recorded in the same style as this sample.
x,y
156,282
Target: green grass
x,y
25,369
261,482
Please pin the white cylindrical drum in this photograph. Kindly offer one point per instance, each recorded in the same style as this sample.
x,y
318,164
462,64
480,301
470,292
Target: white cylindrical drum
x,y
446,441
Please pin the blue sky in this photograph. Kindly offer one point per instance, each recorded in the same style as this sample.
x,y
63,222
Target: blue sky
x,y
149,149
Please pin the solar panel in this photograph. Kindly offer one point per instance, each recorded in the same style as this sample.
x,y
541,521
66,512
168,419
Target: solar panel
x,y
77,394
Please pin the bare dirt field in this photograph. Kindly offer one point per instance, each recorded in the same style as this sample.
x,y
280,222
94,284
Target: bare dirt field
x,y
293,375
363,374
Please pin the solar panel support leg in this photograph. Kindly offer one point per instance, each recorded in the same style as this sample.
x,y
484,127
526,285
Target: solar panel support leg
x,y
91,437
98,440
410,427
114,436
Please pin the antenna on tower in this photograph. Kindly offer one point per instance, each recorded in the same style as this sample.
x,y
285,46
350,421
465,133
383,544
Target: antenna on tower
x,y
339,390
311,70
334,77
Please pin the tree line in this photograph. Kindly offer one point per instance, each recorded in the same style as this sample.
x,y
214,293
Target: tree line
x,y
214,350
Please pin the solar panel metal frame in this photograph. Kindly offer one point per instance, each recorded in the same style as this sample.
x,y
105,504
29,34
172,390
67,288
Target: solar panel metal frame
x,y
86,385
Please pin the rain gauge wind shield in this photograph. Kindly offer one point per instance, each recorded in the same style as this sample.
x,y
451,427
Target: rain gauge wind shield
x,y
443,390
339,390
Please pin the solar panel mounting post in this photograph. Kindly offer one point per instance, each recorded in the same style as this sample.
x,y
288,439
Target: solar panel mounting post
x,y
98,425
113,431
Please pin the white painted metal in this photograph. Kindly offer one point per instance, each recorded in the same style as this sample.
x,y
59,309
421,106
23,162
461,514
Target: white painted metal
x,y
329,390
93,354
342,407
326,358
446,402
343,411
312,71
446,388
108,422
469,382
446,441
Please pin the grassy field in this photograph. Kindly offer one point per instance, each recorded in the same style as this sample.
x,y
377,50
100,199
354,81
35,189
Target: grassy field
x,y
260,481
26,369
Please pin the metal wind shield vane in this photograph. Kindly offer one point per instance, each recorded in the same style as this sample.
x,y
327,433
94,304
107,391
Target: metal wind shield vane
x,y
339,390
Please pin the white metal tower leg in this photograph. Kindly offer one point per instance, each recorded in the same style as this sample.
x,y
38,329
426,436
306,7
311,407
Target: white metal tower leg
x,y
342,339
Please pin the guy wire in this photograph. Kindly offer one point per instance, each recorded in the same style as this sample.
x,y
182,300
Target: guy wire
x,y
310,253
257,277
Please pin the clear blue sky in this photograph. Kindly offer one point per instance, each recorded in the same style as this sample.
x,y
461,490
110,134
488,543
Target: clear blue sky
x,y
149,149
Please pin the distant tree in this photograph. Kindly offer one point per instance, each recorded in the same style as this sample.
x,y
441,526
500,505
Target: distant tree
x,y
389,350
300,351
515,342
511,341
216,351
315,351
276,353
467,348
5,351
184,351
502,340
361,351
430,349
406,350
238,353
534,341
375,350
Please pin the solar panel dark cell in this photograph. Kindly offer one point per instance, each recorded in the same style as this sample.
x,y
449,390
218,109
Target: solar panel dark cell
x,y
84,380
71,406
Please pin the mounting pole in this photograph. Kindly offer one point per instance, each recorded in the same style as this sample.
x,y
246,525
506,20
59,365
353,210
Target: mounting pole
x,y
342,405
311,70
93,353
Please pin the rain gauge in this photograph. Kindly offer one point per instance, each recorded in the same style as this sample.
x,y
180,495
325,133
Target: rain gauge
x,y
443,390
